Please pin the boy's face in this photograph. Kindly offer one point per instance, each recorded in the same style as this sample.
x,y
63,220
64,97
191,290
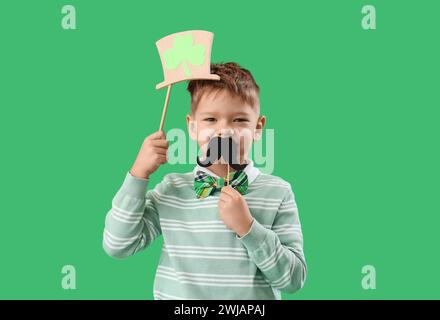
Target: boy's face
x,y
221,113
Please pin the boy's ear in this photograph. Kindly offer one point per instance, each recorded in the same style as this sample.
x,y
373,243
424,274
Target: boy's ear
x,y
259,128
192,127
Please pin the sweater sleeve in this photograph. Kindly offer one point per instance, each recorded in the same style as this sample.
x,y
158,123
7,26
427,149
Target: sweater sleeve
x,y
278,252
132,223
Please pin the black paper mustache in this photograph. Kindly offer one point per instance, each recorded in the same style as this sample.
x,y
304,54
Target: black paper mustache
x,y
222,147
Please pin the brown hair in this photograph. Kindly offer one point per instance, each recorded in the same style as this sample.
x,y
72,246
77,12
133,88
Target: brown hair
x,y
233,78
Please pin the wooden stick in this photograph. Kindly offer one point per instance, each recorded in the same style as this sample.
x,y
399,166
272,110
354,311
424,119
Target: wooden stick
x,y
165,106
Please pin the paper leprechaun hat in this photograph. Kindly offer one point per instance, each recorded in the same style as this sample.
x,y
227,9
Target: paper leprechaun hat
x,y
185,56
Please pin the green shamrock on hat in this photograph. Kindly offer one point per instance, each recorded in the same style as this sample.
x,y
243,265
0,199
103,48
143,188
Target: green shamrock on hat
x,y
183,52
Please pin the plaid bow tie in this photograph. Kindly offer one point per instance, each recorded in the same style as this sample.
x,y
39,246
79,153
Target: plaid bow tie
x,y
205,185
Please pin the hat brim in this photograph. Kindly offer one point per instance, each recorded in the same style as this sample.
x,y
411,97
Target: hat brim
x,y
205,77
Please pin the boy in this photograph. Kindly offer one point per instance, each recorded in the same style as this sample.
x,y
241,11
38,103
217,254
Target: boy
x,y
240,241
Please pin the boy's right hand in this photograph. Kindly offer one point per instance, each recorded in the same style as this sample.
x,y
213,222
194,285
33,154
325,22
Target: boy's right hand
x,y
152,154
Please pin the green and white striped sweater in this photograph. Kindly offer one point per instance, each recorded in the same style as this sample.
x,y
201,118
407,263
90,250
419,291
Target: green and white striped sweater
x,y
201,258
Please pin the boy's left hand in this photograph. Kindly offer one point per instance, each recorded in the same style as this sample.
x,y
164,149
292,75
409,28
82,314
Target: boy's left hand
x,y
234,211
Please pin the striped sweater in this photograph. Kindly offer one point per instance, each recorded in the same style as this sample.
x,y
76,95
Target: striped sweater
x,y
201,258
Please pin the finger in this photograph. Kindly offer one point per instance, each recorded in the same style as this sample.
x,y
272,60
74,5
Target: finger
x,y
221,200
161,159
156,135
225,195
230,191
225,189
162,151
162,143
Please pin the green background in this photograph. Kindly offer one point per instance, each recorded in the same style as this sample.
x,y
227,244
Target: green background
x,y
355,115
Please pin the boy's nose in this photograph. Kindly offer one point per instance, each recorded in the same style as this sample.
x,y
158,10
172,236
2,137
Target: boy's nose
x,y
225,132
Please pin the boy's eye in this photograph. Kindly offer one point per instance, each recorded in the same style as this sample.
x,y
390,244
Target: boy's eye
x,y
241,120
209,119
